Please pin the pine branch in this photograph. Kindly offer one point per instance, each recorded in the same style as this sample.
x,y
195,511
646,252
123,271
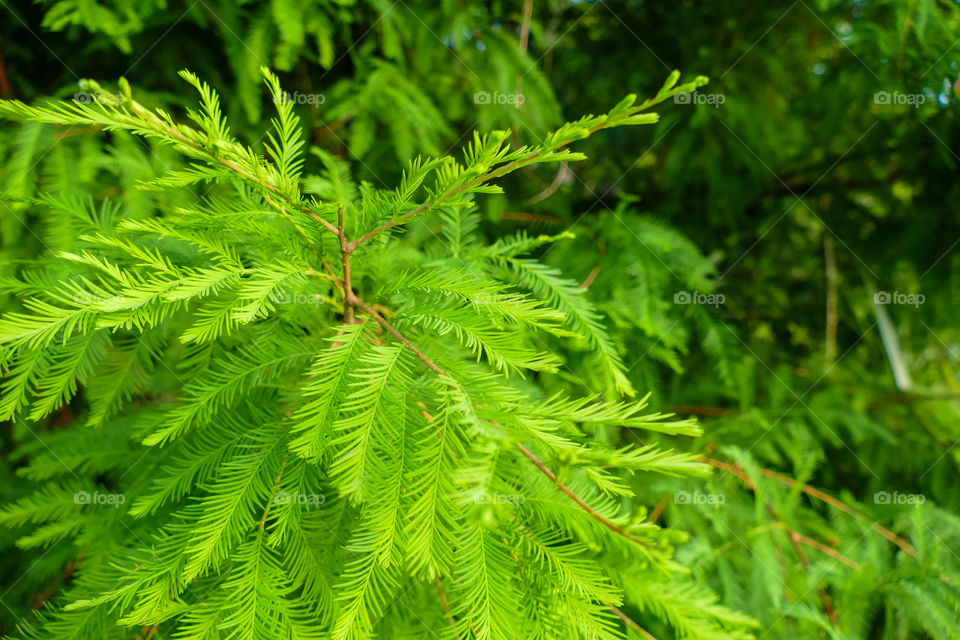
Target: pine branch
x,y
623,113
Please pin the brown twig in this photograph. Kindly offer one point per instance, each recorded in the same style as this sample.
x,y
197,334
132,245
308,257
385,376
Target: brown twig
x,y
562,174
47,593
308,87
620,614
366,308
819,546
370,311
525,24
815,493
795,539
583,505
349,300
321,133
5,87
590,278
533,217
148,634
633,625
660,507
446,606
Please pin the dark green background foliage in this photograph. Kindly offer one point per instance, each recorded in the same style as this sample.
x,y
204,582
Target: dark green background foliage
x,y
804,201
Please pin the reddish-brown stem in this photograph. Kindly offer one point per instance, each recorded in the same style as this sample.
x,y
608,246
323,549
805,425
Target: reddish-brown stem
x,y
633,625
795,539
583,505
591,277
525,24
815,493
533,217
446,606
370,311
41,598
366,308
550,189
620,614
348,297
660,507
819,546
148,632
5,87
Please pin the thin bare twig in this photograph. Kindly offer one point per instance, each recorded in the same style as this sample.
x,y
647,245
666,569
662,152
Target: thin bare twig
x,y
563,174
349,300
373,313
633,625
583,505
815,493
446,606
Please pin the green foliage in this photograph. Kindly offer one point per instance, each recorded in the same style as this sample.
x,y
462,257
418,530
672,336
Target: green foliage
x,y
306,447
782,198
